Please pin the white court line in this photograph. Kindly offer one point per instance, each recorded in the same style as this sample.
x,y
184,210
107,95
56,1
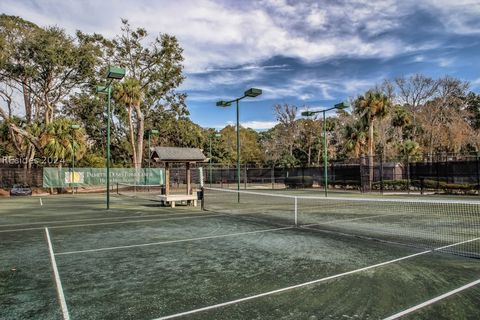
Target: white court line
x,y
117,222
432,301
58,282
92,219
211,237
220,305
174,241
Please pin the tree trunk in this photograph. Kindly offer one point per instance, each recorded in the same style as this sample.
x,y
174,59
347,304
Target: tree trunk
x,y
309,155
27,102
140,134
16,143
30,155
48,109
132,137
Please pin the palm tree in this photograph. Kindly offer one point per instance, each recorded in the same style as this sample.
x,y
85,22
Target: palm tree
x,y
129,93
355,137
401,120
409,149
58,140
370,107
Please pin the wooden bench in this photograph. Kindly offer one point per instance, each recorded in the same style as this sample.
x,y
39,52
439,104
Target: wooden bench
x,y
171,199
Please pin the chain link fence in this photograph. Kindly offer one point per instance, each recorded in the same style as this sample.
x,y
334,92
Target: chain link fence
x,y
443,173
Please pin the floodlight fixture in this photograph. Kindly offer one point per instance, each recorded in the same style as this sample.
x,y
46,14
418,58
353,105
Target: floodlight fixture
x,y
223,103
342,105
253,92
307,113
102,89
338,106
115,73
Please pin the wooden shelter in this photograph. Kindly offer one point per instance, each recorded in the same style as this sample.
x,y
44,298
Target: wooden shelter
x,y
169,155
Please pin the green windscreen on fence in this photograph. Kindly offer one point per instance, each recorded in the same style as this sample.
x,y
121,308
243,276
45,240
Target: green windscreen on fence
x,y
63,177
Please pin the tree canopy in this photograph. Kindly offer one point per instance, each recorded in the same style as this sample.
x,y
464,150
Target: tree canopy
x,y
48,80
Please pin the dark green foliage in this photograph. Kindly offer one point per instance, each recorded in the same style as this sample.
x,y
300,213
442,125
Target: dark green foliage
x,y
56,74
425,184
299,182
473,106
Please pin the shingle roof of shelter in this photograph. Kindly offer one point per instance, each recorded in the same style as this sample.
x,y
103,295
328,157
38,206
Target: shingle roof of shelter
x,y
174,154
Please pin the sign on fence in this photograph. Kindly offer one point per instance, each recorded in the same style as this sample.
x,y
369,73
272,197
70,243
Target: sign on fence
x,y
63,177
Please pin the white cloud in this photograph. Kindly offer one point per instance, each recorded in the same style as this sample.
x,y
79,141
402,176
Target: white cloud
x,y
475,83
445,62
459,16
354,86
255,125
259,125
235,38
214,33
317,18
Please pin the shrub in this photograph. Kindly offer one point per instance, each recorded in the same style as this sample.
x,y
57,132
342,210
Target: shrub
x,y
299,182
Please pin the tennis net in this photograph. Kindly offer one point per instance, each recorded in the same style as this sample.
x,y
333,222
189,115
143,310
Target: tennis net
x,y
425,223
147,192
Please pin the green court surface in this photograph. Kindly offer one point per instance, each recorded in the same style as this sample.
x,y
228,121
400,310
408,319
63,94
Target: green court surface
x,y
143,261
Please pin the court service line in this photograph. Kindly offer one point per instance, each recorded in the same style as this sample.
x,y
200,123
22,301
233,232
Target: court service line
x,y
58,282
174,241
432,301
116,222
220,305
92,219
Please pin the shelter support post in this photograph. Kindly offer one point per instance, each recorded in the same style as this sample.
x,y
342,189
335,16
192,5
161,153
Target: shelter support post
x,y
189,172
167,178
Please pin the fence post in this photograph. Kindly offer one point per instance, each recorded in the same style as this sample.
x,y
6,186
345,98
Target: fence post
x,y
245,177
361,173
381,172
478,172
221,178
437,164
273,177
408,174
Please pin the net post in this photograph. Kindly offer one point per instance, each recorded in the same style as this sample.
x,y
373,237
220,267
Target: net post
x,y
296,211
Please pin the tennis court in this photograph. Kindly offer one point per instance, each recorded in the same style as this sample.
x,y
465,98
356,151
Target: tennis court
x,y
269,257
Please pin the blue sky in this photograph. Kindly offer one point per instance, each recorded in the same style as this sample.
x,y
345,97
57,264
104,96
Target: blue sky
x,y
307,53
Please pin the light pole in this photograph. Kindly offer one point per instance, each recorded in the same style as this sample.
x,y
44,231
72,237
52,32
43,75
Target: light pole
x,y
72,176
252,92
150,132
216,135
338,106
118,74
